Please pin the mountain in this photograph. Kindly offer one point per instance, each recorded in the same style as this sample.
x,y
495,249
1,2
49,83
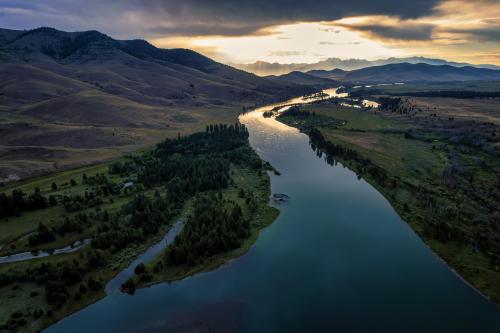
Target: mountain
x,y
404,72
400,72
266,68
297,77
68,98
334,74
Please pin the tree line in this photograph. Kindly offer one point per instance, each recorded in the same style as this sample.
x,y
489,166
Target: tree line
x,y
216,226
18,202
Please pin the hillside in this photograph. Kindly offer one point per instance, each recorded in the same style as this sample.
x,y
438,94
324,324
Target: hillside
x,y
405,72
116,95
334,74
297,77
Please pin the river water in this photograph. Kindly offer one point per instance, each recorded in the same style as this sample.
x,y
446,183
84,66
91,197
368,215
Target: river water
x,y
337,259
115,284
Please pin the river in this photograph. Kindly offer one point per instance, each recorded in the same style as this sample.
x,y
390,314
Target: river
x,y
338,258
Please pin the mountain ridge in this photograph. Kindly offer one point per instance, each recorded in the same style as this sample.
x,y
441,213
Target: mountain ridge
x,y
391,73
266,68
406,72
106,97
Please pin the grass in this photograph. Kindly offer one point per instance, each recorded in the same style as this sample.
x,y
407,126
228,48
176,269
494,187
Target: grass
x,y
402,157
33,146
13,231
437,86
356,118
20,296
382,138
44,183
13,228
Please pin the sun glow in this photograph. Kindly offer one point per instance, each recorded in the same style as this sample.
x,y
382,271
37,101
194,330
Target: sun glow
x,y
300,42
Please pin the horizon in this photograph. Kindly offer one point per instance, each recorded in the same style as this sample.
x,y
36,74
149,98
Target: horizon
x,y
275,32
370,59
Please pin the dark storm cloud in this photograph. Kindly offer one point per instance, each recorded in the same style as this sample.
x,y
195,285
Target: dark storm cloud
x,y
490,33
271,10
194,17
398,30
234,17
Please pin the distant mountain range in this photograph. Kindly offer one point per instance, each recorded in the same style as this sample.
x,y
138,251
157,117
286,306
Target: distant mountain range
x,y
68,98
305,78
392,73
405,72
266,68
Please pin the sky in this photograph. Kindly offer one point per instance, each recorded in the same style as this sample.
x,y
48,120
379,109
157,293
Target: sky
x,y
283,31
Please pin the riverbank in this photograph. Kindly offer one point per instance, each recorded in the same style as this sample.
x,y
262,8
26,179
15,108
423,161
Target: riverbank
x,y
27,300
410,173
261,215
171,274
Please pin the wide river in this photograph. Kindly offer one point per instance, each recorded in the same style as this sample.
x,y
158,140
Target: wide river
x,y
337,259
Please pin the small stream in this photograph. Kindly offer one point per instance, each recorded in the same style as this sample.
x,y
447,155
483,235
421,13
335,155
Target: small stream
x,y
44,253
115,284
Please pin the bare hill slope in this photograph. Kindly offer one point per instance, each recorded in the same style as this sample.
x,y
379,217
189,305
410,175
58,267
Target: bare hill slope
x,y
116,95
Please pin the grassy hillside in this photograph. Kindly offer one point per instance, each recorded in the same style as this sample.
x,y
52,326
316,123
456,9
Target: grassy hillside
x,y
71,98
305,79
405,72
481,86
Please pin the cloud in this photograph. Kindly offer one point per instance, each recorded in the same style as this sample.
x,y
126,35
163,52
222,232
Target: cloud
x,y
197,17
336,31
389,29
489,33
286,53
460,28
452,22
338,43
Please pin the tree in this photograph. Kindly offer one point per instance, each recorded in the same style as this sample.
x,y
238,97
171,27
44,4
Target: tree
x,y
43,235
140,269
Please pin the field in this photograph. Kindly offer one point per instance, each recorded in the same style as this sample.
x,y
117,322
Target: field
x,y
436,161
432,86
32,145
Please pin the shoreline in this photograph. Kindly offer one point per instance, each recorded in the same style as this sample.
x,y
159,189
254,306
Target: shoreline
x,y
400,213
267,215
219,261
